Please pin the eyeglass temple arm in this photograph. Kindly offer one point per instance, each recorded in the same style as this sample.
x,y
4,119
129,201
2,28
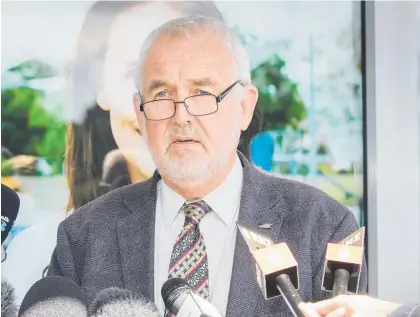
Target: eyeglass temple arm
x,y
141,101
223,94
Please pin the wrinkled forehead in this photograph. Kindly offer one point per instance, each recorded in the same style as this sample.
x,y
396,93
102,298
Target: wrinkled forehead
x,y
180,58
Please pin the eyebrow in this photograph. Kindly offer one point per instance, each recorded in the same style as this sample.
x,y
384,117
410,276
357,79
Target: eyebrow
x,y
155,84
200,82
205,81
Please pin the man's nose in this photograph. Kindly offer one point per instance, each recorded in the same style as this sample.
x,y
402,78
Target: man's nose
x,y
182,115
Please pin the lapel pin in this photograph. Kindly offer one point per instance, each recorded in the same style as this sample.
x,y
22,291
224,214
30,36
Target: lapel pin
x,y
265,226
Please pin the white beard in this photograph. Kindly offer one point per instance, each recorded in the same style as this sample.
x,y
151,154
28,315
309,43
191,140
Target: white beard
x,y
194,171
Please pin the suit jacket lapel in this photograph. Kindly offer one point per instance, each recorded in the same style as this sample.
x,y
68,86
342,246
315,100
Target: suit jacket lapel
x,y
256,206
136,238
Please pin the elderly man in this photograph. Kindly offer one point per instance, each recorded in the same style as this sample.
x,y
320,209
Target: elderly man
x,y
194,98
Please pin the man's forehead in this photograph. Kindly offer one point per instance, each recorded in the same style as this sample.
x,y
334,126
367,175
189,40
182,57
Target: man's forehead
x,y
201,48
196,66
185,76
187,64
155,83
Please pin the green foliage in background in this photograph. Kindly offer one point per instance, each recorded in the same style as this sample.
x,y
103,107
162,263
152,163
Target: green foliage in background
x,y
6,167
33,69
18,106
27,126
279,97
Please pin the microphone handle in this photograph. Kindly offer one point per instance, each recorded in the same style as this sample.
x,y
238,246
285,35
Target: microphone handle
x,y
289,293
341,282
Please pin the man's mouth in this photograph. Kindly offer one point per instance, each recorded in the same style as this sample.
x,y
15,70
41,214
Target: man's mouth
x,y
185,141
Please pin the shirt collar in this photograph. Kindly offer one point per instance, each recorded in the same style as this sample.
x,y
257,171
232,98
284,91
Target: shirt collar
x,y
231,187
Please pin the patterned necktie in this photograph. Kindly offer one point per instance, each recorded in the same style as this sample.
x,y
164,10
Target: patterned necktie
x,y
189,255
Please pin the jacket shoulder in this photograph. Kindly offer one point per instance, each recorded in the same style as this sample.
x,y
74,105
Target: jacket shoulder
x,y
302,199
108,208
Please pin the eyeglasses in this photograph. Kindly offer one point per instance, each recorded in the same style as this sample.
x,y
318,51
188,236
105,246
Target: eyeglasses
x,y
197,105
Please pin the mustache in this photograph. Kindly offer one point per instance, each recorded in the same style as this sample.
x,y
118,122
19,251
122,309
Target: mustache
x,y
186,131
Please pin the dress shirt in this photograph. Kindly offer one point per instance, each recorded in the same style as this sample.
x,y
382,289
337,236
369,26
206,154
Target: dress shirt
x,y
218,229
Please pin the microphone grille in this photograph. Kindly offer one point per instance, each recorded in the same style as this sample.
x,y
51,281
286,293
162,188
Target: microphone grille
x,y
171,289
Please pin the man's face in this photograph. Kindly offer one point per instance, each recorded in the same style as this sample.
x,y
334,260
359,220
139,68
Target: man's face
x,y
188,147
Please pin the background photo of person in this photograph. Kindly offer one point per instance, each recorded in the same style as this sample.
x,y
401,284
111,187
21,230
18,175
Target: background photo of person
x,y
308,75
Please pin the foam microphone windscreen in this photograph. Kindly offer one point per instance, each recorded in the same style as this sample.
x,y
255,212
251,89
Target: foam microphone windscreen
x,y
10,204
54,296
117,302
8,300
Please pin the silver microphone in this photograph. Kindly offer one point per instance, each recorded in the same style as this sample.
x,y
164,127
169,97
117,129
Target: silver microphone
x,y
181,300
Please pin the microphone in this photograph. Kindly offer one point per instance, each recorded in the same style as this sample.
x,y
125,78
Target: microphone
x,y
54,296
8,299
117,302
343,263
181,300
276,268
10,204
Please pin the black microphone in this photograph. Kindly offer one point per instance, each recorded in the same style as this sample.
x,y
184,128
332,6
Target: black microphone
x,y
54,296
8,300
343,263
181,300
276,268
341,279
10,204
117,302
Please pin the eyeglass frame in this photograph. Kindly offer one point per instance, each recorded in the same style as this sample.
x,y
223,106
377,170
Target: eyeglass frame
x,y
218,98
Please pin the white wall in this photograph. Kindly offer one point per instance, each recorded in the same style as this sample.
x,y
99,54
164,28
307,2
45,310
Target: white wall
x,y
393,149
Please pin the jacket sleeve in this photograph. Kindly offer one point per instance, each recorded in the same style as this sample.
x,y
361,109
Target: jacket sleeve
x,y
347,226
62,260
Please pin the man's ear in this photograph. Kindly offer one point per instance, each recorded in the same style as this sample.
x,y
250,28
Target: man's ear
x,y
249,100
139,114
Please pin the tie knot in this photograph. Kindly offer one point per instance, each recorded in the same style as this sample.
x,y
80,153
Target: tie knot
x,y
195,211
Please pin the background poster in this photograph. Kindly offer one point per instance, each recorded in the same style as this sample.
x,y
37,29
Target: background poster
x,y
306,60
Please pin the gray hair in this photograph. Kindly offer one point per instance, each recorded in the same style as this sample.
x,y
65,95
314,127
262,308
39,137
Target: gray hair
x,y
185,26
